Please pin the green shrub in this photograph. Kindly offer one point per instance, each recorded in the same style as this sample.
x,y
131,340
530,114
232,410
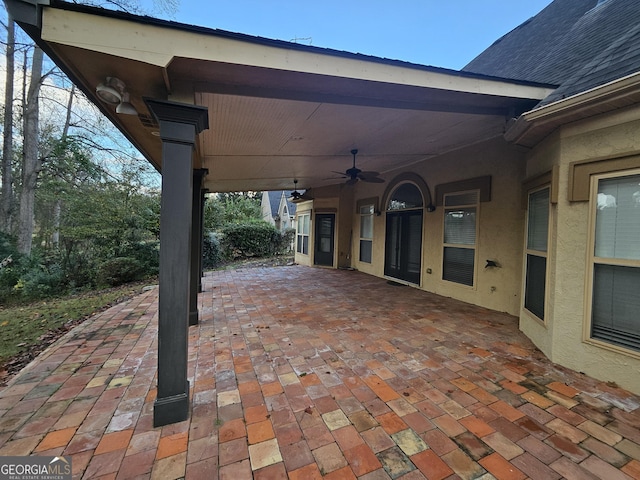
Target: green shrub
x,y
7,247
120,270
245,240
286,241
147,253
38,278
10,269
211,251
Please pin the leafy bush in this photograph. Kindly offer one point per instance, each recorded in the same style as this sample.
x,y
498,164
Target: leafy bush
x,y
10,269
120,270
38,277
7,247
41,281
286,241
211,251
147,254
254,239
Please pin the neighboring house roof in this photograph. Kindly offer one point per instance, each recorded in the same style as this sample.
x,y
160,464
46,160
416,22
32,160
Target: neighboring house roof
x,y
575,44
290,205
274,201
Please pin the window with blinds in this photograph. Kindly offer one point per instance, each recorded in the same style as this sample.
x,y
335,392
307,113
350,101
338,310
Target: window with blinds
x,y
615,308
459,243
366,233
536,252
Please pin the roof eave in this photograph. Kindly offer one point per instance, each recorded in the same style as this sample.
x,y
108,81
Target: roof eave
x,y
533,126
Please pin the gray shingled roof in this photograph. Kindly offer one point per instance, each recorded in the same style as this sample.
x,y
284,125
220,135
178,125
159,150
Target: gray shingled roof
x,y
575,44
274,200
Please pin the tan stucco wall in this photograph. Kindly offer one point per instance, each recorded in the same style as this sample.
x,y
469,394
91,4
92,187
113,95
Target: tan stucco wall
x,y
500,228
561,339
336,199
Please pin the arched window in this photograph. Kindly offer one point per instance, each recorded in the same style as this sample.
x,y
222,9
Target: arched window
x,y
405,197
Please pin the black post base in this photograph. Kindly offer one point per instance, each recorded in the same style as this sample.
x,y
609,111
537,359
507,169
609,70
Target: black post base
x,y
171,410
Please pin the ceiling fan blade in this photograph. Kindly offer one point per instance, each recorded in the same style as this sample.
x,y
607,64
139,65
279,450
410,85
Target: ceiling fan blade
x,y
372,179
369,174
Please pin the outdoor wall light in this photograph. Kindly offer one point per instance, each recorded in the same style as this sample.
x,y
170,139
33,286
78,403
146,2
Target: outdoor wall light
x,y
125,107
112,91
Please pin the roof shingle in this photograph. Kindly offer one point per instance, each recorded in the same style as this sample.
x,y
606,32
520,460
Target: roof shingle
x,y
575,44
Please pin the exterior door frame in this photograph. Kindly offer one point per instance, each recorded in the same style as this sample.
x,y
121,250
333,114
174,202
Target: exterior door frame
x,y
397,253
323,241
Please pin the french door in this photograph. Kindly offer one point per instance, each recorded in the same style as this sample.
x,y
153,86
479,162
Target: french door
x,y
403,247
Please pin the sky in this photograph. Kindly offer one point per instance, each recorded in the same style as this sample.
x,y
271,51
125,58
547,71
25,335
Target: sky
x,y
441,33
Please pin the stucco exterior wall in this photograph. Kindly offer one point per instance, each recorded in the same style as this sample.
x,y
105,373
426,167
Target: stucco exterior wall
x,y
333,199
499,232
562,339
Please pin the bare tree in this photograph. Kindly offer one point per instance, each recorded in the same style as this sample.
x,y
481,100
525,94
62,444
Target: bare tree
x,y
6,202
31,162
33,152
57,208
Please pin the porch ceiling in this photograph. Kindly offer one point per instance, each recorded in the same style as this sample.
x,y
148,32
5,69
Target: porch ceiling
x,y
277,110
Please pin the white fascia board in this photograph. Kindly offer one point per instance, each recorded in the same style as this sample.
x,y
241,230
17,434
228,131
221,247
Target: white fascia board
x,y
616,88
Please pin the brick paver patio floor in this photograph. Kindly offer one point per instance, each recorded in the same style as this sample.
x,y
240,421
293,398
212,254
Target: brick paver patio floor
x,y
304,373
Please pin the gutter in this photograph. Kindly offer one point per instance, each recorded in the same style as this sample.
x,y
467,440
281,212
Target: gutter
x,y
624,90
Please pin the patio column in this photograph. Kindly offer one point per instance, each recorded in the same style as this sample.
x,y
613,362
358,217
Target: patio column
x,y
203,199
179,125
196,244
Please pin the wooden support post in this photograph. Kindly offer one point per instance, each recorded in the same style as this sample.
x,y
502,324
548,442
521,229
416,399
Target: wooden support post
x,y
179,125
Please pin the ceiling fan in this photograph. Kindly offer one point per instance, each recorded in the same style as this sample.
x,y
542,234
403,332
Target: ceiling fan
x,y
296,196
354,174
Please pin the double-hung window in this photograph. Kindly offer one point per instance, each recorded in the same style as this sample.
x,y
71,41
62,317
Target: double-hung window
x,y
460,227
302,236
615,263
536,252
366,232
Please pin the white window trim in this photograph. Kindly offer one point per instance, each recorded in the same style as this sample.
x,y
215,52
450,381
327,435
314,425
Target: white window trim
x,y
466,246
528,251
592,260
300,224
361,238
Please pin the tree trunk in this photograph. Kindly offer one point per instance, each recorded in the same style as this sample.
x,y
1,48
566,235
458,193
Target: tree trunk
x,y
32,163
6,203
57,207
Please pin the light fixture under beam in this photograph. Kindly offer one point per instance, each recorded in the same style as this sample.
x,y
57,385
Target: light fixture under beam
x,y
125,107
113,91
